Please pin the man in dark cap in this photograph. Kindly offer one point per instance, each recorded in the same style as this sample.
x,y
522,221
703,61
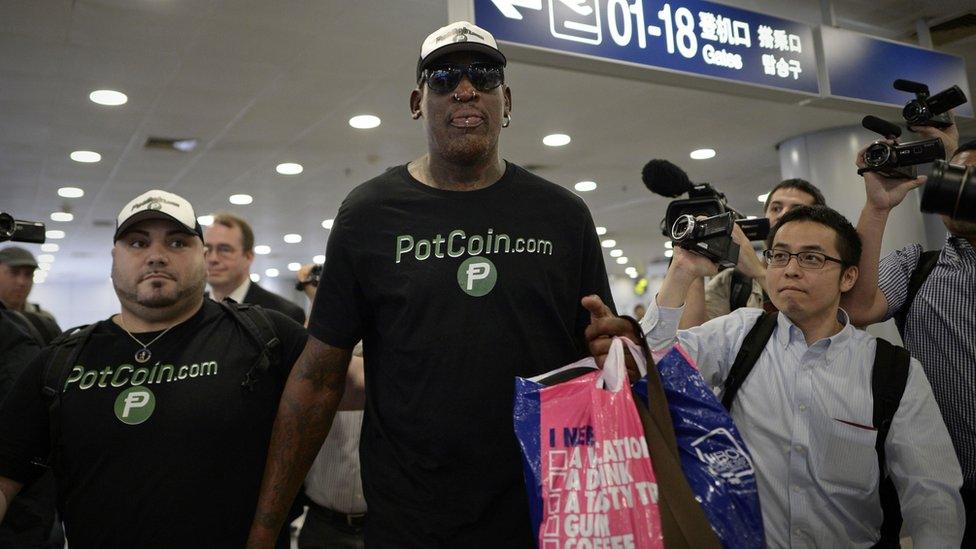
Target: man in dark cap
x,y
17,267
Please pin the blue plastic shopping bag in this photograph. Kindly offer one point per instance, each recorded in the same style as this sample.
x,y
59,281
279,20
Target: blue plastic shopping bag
x,y
714,458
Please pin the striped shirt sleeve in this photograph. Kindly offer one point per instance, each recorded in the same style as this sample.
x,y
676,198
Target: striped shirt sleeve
x,y
894,271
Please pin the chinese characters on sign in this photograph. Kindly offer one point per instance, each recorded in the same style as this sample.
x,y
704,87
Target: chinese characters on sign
x,y
692,36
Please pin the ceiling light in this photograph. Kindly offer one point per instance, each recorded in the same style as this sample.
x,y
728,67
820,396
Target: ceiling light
x,y
294,267
205,220
110,98
364,121
62,216
293,238
632,274
261,249
185,145
622,260
629,270
669,245
255,277
45,258
556,140
87,157
585,186
289,168
43,267
702,154
609,243
327,224
668,253
750,217
71,192
600,231
762,197
271,273
54,235
50,247
319,259
241,199
616,253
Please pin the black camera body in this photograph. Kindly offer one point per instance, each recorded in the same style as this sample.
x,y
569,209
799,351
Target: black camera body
x,y
929,110
703,200
17,230
900,161
314,276
950,191
708,236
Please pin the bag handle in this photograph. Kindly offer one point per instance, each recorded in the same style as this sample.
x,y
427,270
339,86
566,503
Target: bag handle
x,y
613,377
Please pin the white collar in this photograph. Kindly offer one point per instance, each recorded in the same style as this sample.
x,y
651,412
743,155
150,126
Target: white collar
x,y
241,291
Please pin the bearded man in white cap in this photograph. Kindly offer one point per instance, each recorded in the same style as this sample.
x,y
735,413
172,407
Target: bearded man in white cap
x,y
155,421
459,271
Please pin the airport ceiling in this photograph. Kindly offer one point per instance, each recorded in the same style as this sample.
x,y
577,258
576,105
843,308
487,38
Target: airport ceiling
x,y
262,82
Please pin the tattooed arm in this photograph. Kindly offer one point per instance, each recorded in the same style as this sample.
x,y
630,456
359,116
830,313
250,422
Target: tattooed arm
x,y
308,404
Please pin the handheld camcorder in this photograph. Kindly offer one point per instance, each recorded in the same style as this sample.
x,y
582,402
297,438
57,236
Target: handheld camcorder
x,y
708,236
894,160
314,276
929,110
950,191
664,178
17,230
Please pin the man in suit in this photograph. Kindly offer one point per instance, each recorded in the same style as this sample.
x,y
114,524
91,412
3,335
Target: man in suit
x,y
229,244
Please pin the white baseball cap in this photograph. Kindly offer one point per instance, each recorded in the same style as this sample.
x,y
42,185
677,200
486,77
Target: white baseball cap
x,y
459,36
156,204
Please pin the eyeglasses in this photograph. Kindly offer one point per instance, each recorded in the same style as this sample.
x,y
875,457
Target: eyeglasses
x,y
806,260
484,77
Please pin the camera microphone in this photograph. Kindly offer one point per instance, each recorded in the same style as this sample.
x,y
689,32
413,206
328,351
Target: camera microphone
x,y
881,127
664,178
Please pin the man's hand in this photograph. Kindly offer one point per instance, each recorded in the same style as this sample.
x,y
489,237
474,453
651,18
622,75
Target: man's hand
x,y
883,193
304,274
749,263
604,326
949,137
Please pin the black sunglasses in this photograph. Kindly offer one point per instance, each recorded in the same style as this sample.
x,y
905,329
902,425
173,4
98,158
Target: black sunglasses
x,y
443,79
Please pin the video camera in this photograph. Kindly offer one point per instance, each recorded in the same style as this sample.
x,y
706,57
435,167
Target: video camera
x,y
950,191
711,237
894,160
929,110
16,230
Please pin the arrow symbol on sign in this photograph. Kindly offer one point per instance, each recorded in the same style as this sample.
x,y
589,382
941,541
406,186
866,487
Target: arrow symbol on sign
x,y
507,7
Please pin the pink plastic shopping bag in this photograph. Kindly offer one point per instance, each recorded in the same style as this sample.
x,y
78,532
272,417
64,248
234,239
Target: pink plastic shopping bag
x,y
587,466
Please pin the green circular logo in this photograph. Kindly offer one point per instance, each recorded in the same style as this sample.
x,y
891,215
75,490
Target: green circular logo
x,y
134,405
477,276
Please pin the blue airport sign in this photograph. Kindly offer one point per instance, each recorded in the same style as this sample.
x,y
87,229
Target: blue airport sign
x,y
863,67
685,36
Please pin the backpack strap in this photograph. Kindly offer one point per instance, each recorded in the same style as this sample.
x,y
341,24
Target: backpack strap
x,y
28,325
259,327
926,262
752,347
889,376
65,350
739,291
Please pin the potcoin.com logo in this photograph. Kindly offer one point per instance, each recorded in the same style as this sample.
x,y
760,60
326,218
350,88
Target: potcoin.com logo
x,y
477,276
134,405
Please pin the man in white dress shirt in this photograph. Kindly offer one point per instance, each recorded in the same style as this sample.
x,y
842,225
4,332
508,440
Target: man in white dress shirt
x,y
805,410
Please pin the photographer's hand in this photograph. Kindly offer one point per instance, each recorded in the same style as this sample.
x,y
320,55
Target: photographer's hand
x,y
303,275
686,267
749,263
949,136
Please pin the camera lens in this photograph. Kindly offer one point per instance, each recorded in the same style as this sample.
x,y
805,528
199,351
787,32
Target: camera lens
x,y
683,227
7,227
951,191
915,112
877,155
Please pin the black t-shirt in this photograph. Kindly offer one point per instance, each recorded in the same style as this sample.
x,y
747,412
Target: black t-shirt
x,y
168,453
454,294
